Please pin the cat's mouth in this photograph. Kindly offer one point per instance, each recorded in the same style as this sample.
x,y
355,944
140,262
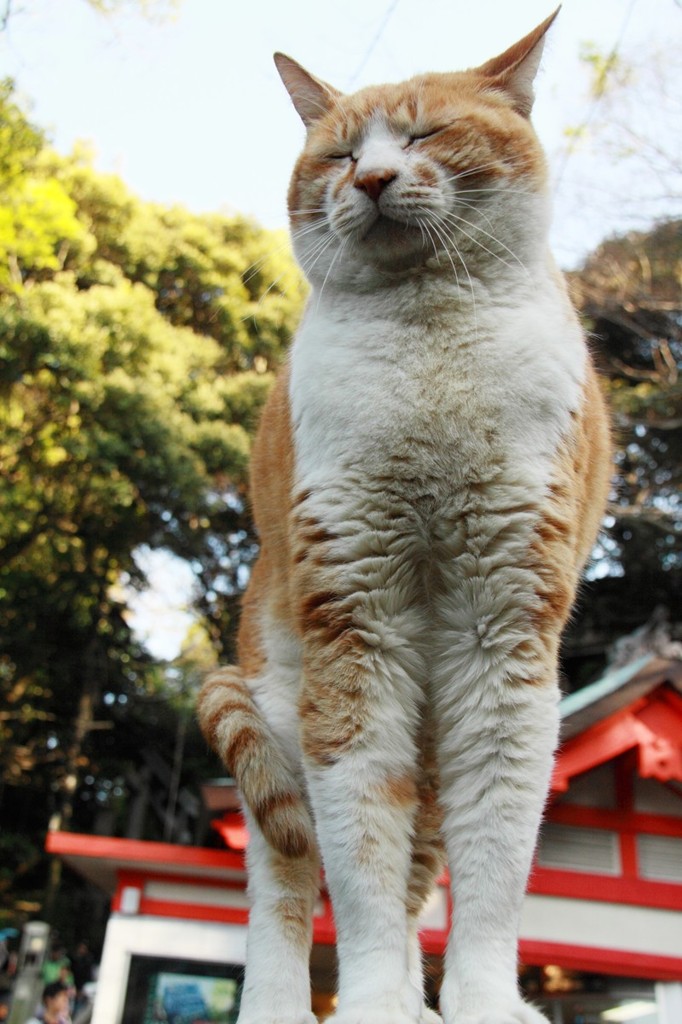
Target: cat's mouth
x,y
385,223
383,233
399,235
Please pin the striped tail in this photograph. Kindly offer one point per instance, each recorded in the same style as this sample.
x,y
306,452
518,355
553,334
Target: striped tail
x,y
235,729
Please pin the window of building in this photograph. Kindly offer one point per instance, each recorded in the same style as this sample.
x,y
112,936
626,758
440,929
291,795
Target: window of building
x,y
568,848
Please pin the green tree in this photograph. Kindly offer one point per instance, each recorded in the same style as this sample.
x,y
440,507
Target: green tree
x,y
622,163
630,292
137,344
37,216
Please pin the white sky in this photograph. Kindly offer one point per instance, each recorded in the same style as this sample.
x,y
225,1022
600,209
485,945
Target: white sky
x,y
192,110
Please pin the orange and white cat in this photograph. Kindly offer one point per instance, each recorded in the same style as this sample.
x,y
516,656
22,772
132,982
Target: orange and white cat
x,y
427,482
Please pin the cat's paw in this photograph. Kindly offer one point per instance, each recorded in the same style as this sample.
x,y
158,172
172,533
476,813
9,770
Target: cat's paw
x,y
372,1015
278,1018
521,1013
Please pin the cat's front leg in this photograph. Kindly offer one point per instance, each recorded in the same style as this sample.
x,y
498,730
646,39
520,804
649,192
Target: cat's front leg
x,y
257,742
360,708
493,794
498,761
497,702
367,858
282,891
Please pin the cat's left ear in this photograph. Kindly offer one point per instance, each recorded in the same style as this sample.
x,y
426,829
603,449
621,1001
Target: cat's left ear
x,y
311,97
514,70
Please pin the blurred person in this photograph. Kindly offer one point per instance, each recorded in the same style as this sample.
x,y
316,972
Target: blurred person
x,y
82,963
55,1005
57,967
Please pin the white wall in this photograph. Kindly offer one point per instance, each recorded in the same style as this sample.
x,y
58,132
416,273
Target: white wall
x,y
669,999
604,925
155,936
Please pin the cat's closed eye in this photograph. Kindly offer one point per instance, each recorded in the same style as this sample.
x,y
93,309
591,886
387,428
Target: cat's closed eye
x,y
428,134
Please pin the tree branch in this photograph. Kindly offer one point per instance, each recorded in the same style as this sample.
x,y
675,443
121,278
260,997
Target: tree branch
x,y
651,515
5,17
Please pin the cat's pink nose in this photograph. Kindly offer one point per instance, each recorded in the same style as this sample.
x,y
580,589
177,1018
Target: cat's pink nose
x,y
374,182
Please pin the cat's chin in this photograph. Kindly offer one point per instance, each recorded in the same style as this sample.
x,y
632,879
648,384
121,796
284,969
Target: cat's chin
x,y
389,230
389,243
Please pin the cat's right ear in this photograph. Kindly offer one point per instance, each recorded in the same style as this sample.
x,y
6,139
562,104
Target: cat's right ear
x,y
311,97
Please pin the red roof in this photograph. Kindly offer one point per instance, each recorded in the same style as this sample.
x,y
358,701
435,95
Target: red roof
x,y
650,723
100,859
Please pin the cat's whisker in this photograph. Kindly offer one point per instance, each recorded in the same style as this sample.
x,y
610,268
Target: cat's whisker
x,y
461,259
317,251
484,168
254,268
478,169
313,243
330,268
444,239
308,229
306,210
476,209
423,233
258,265
314,255
500,189
318,228
261,298
445,236
436,253
457,221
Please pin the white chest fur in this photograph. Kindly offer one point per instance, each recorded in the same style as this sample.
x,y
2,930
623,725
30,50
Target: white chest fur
x,y
435,376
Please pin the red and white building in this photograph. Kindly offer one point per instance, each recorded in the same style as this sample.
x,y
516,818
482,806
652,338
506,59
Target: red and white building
x,y
601,932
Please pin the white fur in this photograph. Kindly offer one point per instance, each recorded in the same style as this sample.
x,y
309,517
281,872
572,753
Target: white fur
x,y
274,690
277,981
356,394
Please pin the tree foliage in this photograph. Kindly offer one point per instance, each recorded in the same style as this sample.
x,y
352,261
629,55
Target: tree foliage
x,y
630,290
630,293
137,344
630,173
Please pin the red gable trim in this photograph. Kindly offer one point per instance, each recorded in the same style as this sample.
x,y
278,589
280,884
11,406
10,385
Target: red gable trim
x,y
635,822
606,961
139,851
651,725
634,891
232,830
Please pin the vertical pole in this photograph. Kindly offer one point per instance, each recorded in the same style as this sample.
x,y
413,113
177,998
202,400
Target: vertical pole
x,y
669,1002
29,982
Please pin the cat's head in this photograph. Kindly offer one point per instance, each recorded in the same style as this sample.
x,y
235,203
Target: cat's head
x,y
441,170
